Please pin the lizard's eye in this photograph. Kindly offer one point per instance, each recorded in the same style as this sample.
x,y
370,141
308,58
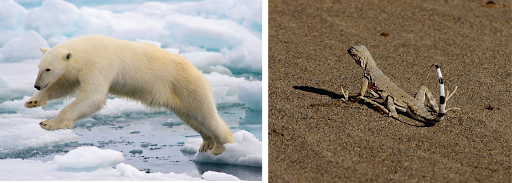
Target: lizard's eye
x,y
47,70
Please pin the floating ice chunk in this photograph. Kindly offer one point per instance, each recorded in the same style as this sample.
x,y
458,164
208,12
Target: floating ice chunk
x,y
128,171
26,47
132,173
191,145
88,157
250,94
17,169
33,135
245,151
219,176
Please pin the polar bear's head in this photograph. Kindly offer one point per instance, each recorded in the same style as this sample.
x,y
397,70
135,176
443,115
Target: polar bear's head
x,y
53,64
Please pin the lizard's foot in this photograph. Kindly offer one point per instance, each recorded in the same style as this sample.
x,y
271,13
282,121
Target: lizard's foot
x,y
393,114
357,99
345,94
375,95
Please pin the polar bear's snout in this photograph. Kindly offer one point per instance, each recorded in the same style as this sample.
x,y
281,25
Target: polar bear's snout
x,y
41,87
44,78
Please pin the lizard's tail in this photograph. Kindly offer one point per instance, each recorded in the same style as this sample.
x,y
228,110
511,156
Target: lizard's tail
x,y
442,98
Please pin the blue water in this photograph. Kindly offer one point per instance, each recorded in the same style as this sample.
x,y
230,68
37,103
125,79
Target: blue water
x,y
160,144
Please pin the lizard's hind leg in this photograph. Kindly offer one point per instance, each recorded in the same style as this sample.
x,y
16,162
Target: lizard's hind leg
x,y
425,92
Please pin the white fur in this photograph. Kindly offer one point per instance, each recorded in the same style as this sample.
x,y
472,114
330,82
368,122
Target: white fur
x,y
96,65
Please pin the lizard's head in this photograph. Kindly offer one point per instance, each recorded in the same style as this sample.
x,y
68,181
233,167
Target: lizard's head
x,y
360,54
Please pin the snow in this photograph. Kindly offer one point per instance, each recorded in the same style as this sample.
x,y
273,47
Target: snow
x,y
222,38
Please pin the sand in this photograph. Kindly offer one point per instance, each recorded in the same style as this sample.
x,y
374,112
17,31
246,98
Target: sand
x,y
316,137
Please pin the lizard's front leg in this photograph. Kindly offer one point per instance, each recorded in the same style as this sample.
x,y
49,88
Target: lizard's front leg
x,y
360,95
87,103
425,92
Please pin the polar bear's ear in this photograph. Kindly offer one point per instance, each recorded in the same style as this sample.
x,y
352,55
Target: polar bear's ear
x,y
44,50
68,56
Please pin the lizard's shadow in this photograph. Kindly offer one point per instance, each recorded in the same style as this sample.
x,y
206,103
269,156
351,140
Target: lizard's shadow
x,y
402,113
319,91
338,96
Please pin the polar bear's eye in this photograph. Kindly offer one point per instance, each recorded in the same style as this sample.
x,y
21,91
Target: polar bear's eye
x,y
47,70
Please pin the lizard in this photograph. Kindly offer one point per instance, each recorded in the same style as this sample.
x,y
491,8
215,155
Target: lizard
x,y
394,97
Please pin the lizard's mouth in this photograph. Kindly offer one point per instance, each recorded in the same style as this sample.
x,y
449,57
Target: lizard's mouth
x,y
351,50
352,53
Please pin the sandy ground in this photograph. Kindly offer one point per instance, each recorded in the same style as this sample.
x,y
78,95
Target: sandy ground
x,y
316,137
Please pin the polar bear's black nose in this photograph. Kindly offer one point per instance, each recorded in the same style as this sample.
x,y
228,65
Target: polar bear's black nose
x,y
37,87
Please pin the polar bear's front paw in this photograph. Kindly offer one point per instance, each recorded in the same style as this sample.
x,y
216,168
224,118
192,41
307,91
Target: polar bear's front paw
x,y
31,103
47,125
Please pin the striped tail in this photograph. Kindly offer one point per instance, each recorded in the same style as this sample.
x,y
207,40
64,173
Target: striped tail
x,y
442,98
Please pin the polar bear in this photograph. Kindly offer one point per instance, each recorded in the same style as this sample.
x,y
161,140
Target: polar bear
x,y
96,66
